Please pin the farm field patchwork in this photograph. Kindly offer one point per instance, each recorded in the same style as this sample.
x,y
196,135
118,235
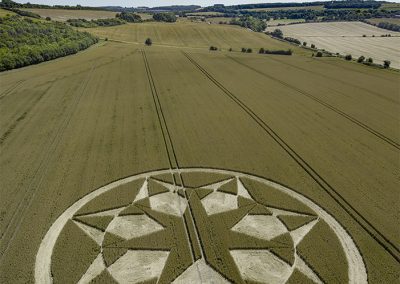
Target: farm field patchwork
x,y
225,161
347,38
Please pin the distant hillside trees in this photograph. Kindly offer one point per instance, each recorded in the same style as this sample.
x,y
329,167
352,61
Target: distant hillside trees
x,y
129,17
252,23
24,41
352,4
278,33
389,26
339,13
290,39
165,17
83,23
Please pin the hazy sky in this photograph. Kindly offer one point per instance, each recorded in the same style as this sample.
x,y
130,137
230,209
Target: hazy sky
x,y
152,3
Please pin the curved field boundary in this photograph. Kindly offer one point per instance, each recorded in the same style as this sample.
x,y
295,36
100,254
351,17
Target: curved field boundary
x,y
31,189
357,270
383,241
338,111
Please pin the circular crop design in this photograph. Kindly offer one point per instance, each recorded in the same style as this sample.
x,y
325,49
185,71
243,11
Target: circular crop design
x,y
200,226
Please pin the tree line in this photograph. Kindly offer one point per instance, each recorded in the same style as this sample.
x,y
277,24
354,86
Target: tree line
x,y
249,22
389,26
345,11
24,41
83,23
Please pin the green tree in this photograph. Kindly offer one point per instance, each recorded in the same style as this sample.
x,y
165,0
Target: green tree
x,y
129,17
165,17
277,33
361,59
386,63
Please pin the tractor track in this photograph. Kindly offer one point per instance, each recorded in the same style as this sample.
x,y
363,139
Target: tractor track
x,y
11,89
172,158
338,111
383,241
335,79
34,185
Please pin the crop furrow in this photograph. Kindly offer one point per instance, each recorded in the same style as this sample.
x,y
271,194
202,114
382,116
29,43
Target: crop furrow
x,y
30,192
338,111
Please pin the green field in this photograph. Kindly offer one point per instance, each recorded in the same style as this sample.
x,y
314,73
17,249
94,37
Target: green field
x,y
219,161
195,35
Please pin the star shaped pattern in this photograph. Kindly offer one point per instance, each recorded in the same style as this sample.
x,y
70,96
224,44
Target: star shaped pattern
x,y
217,232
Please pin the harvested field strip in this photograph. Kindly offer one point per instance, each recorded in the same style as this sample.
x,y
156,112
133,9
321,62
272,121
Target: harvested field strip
x,y
28,196
360,219
338,111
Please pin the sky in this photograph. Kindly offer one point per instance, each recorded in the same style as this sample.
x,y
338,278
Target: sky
x,y
153,3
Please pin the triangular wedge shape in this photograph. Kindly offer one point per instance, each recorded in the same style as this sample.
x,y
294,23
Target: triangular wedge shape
x,y
294,222
94,233
286,250
143,192
260,210
104,277
298,277
242,201
164,177
115,198
131,210
229,187
203,192
98,222
145,202
95,269
273,197
155,187
111,255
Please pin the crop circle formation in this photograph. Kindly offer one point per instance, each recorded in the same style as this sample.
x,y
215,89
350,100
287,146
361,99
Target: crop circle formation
x,y
221,227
